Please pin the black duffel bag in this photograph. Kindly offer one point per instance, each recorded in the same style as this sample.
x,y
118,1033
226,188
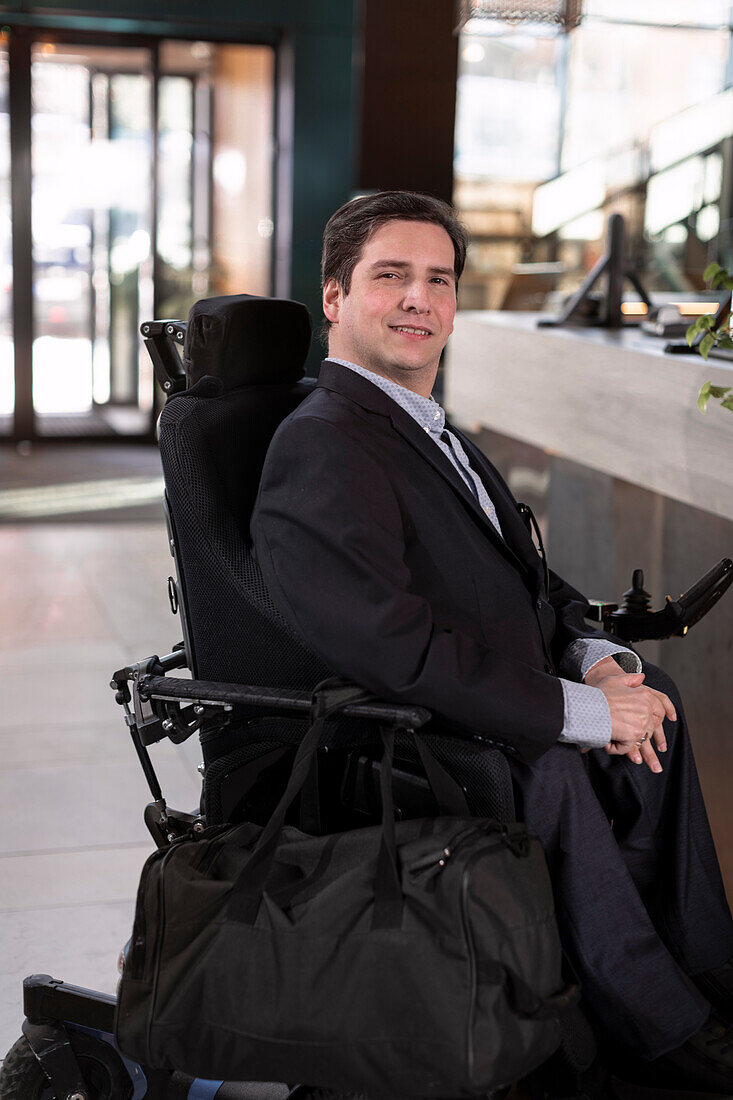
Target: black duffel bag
x,y
419,959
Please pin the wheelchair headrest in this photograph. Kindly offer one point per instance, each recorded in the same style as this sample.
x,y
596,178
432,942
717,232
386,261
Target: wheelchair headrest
x,y
244,340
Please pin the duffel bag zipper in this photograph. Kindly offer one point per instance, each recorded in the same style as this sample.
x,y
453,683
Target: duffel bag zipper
x,y
155,952
433,862
430,864
137,951
508,840
470,1053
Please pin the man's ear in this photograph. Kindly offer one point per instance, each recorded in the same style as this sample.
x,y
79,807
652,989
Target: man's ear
x,y
332,296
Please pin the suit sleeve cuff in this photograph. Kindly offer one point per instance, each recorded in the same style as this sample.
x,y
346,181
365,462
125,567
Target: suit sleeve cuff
x,y
582,654
587,719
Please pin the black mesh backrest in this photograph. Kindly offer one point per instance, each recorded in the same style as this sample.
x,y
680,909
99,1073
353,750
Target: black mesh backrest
x,y
213,440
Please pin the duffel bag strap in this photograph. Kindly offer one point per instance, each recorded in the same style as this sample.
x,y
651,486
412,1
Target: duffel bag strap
x,y
387,882
329,697
388,896
448,793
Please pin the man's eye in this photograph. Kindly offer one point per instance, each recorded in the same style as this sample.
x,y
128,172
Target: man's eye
x,y
443,282
388,275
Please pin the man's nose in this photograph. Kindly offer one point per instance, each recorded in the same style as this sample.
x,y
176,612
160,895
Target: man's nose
x,y
416,298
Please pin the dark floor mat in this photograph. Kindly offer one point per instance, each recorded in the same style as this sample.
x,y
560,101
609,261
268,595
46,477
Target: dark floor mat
x,y
46,483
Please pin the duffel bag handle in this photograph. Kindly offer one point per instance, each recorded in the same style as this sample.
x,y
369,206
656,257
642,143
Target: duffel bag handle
x,y
388,896
329,697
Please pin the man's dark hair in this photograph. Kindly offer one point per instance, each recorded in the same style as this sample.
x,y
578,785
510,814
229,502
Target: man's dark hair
x,y
348,230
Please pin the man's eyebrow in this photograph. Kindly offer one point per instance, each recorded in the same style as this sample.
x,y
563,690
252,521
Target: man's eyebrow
x,y
406,263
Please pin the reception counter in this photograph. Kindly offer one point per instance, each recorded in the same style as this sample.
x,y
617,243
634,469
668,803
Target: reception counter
x,y
613,401
600,433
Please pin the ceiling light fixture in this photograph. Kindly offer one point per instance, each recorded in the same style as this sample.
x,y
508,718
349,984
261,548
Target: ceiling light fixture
x,y
564,14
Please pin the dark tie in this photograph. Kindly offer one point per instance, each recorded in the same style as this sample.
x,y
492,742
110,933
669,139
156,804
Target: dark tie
x,y
474,481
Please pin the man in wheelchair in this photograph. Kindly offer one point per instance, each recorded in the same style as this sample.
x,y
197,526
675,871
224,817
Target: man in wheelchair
x,y
393,547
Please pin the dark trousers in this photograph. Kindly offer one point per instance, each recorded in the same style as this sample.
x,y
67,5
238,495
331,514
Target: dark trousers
x,y
638,891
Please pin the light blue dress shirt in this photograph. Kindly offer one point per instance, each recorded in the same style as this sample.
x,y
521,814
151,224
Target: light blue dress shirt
x,y
586,719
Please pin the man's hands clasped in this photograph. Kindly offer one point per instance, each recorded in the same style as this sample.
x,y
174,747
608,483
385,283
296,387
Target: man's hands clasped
x,y
637,713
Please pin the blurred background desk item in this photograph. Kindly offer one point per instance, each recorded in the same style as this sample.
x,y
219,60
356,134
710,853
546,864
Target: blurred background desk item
x,y
600,433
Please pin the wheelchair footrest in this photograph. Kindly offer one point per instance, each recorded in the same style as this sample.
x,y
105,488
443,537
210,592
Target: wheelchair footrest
x,y
47,998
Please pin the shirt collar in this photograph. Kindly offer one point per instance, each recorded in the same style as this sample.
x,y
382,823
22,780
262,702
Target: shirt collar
x,y
425,410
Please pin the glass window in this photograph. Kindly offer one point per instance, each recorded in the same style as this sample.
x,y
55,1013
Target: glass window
x,y
91,210
7,369
624,79
508,106
96,275
674,13
215,172
242,148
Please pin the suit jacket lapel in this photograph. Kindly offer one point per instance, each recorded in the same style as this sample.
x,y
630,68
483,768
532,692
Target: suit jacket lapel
x,y
411,431
336,377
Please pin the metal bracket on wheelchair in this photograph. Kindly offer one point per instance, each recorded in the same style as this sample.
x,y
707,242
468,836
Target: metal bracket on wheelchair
x,y
164,341
635,622
152,722
146,726
166,825
50,1043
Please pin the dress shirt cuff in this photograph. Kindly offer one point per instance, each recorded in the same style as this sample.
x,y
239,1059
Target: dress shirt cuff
x,y
587,719
581,655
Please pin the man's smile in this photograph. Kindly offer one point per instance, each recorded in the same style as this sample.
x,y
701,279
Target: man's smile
x,y
411,330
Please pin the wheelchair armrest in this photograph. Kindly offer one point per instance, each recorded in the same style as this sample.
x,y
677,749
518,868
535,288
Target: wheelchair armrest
x,y
264,701
634,621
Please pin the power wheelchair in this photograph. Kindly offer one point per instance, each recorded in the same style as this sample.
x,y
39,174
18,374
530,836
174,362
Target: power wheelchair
x,y
231,374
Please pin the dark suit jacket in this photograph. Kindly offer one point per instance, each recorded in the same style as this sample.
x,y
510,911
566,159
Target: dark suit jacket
x,y
374,549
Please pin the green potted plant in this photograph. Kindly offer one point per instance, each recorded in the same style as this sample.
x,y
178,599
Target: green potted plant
x,y
715,336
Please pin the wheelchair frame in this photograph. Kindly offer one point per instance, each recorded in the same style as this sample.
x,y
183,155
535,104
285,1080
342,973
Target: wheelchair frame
x,y
157,706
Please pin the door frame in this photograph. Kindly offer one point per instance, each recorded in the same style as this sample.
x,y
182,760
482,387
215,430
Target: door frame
x,y
20,38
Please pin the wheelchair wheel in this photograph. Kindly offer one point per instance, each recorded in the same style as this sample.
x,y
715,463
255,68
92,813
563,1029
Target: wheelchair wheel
x,y
22,1078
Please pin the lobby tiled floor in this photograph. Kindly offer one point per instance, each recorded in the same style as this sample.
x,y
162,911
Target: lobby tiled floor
x,y
77,600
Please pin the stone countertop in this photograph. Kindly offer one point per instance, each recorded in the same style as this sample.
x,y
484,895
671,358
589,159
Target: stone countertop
x,y
610,400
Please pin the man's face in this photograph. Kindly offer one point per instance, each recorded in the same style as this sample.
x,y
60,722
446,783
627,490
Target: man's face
x,y
399,311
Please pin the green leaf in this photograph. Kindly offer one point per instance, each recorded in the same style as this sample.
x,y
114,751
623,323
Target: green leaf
x,y
710,271
725,342
703,397
727,283
699,325
719,391
705,344
718,278
728,403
